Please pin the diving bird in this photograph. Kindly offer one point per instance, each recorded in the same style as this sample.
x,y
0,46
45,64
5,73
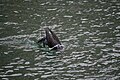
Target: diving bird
x,y
51,40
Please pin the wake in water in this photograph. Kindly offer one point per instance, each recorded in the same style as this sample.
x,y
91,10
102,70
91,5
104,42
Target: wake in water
x,y
18,42
25,43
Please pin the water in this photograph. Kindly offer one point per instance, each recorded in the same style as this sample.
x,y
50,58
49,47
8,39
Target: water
x,y
89,30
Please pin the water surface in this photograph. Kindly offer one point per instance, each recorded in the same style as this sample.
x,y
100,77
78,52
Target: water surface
x,y
89,30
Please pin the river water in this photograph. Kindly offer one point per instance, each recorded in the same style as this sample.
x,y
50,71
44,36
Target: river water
x,y
89,30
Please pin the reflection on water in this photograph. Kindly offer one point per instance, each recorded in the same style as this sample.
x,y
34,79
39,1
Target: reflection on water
x,y
90,31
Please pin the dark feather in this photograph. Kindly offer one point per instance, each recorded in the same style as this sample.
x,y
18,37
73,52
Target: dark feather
x,y
41,40
54,36
50,40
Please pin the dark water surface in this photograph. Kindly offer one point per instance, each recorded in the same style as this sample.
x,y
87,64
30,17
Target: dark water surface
x,y
89,29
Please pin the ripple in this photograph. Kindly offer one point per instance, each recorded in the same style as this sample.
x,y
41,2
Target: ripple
x,y
9,71
117,35
118,27
117,45
90,35
100,45
68,75
34,69
114,54
12,75
52,9
31,74
85,64
116,50
8,66
107,49
50,75
72,65
67,16
5,78
9,23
